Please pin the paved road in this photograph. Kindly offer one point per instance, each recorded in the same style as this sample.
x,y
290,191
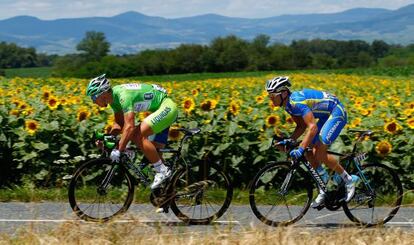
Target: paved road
x,y
47,215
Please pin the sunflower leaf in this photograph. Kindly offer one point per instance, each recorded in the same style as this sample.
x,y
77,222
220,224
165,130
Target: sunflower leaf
x,y
40,146
29,156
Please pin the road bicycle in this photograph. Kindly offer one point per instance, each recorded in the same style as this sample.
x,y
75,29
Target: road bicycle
x,y
197,193
282,192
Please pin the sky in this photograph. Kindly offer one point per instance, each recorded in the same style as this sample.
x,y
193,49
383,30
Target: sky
x,y
57,9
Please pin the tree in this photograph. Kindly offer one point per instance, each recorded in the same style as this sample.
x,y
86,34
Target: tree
x,y
94,45
259,53
379,48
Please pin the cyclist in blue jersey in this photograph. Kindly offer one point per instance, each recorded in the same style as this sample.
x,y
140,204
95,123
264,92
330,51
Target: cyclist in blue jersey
x,y
322,116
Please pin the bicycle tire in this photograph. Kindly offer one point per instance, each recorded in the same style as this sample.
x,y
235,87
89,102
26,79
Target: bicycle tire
x,y
85,181
186,182
265,189
363,197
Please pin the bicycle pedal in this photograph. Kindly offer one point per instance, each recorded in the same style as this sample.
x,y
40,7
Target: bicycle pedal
x,y
320,207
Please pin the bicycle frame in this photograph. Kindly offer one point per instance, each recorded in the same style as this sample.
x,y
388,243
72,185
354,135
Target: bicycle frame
x,y
352,158
139,175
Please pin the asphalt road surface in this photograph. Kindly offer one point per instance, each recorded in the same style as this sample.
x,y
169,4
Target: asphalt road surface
x,y
48,215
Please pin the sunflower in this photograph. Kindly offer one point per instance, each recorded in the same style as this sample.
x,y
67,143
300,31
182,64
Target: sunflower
x,y
208,105
365,112
14,112
174,134
410,122
46,93
188,105
52,103
17,102
383,103
383,148
290,120
259,99
195,92
234,107
359,101
23,106
31,126
83,114
408,112
392,127
355,123
272,120
63,101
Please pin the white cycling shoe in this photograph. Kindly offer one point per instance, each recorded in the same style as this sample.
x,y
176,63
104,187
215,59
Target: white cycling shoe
x,y
319,201
350,188
159,178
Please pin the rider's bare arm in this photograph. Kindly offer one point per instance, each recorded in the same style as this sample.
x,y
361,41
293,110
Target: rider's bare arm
x,y
300,127
118,123
310,123
127,130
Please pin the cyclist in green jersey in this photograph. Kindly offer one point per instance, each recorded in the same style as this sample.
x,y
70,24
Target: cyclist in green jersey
x,y
128,99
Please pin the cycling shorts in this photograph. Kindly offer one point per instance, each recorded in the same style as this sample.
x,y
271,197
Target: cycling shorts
x,y
329,128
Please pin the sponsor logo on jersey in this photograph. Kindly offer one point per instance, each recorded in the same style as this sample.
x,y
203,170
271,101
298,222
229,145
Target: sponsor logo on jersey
x,y
161,116
148,96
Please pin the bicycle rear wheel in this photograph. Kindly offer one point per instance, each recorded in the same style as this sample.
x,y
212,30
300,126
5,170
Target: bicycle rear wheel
x,y
100,190
376,207
202,193
273,207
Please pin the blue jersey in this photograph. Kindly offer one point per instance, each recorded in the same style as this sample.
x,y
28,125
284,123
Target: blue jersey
x,y
324,106
319,103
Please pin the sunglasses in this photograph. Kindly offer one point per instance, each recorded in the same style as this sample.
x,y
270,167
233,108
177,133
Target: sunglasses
x,y
275,94
95,97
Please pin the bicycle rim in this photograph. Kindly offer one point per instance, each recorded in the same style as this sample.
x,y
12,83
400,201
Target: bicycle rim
x,y
369,208
202,194
90,201
276,209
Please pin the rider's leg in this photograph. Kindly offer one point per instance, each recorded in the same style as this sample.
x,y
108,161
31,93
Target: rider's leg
x,y
143,130
156,123
329,132
329,160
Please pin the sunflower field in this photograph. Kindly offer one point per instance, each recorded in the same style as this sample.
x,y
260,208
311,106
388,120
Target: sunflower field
x,y
47,124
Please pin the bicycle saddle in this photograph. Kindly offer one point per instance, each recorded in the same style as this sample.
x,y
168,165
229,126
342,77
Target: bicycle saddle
x,y
190,131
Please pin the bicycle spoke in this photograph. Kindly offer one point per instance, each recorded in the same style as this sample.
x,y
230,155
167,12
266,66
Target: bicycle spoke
x,y
99,206
273,208
199,186
287,207
383,204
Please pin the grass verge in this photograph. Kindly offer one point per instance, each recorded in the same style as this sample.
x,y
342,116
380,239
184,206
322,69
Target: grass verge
x,y
74,233
25,194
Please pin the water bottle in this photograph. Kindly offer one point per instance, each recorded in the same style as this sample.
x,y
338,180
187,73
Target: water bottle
x,y
337,179
323,174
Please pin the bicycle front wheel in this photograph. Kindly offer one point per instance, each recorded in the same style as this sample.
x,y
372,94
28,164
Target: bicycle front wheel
x,y
202,193
270,204
378,196
100,190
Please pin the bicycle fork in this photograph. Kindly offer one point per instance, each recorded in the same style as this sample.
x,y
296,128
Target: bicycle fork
x,y
108,177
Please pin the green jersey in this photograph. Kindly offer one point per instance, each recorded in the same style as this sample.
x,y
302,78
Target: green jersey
x,y
137,97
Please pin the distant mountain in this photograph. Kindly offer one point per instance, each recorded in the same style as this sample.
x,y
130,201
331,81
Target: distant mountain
x,y
131,31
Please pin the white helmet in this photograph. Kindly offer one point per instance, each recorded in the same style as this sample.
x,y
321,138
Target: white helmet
x,y
277,84
98,85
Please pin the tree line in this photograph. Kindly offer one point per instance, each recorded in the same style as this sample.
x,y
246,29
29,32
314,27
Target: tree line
x,y
222,54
